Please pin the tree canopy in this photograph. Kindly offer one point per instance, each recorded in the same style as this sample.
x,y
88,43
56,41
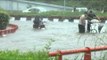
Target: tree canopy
x,y
95,4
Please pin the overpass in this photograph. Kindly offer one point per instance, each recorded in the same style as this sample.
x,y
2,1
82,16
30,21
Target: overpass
x,y
22,4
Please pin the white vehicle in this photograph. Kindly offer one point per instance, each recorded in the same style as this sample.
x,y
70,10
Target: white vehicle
x,y
34,9
80,9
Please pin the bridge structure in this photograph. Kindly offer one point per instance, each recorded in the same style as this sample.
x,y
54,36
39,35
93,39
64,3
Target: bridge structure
x,y
22,5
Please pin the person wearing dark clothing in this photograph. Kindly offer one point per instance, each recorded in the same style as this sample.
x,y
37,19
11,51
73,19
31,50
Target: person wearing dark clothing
x,y
90,16
36,22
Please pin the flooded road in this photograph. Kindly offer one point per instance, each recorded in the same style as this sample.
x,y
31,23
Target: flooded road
x,y
56,36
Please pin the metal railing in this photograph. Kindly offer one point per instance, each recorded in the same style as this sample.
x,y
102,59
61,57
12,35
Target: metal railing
x,y
87,51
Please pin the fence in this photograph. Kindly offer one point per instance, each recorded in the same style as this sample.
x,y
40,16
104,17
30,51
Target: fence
x,y
87,51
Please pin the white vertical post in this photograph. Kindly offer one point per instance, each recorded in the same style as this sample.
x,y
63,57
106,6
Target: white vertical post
x,y
64,5
86,25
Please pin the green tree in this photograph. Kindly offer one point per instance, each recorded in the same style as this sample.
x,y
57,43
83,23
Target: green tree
x,y
95,4
4,20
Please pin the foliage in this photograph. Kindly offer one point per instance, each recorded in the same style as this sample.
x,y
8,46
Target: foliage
x,y
4,20
47,14
56,14
60,13
95,4
20,13
16,55
1,9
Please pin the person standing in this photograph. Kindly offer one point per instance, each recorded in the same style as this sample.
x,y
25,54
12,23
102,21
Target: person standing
x,y
82,22
90,16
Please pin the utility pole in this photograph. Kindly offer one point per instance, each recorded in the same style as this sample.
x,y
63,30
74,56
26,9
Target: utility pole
x,y
64,9
64,5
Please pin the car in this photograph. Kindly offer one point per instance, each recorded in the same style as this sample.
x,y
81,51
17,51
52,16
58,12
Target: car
x,y
81,9
34,9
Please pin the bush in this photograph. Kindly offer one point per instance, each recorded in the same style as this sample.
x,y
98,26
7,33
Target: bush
x,y
60,13
28,55
4,20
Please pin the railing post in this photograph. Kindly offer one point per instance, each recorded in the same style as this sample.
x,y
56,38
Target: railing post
x,y
87,55
59,55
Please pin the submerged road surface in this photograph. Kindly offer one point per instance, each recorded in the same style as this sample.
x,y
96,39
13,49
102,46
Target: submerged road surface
x,y
56,36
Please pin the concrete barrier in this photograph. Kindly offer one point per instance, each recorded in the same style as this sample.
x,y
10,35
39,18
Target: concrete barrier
x,y
46,19
11,29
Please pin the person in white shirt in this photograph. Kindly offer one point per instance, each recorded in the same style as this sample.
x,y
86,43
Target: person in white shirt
x,y
82,23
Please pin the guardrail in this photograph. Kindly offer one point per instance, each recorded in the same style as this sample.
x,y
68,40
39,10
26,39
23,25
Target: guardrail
x,y
87,51
68,19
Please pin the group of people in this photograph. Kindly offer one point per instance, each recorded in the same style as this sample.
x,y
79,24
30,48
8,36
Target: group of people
x,y
89,15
